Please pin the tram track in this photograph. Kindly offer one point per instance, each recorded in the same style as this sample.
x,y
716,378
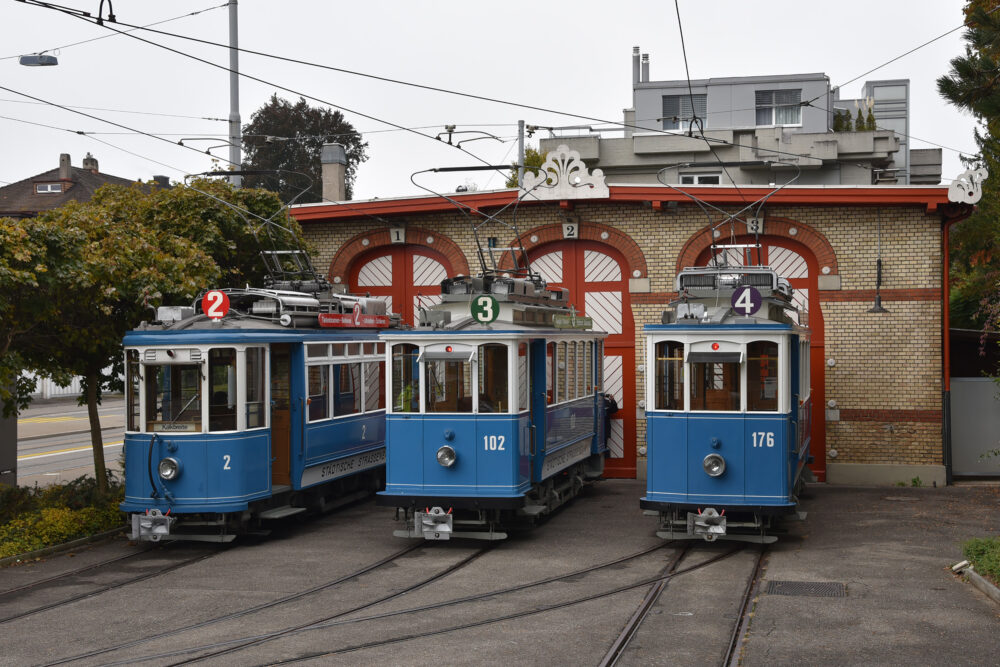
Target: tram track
x,y
494,619
71,573
731,659
337,620
104,588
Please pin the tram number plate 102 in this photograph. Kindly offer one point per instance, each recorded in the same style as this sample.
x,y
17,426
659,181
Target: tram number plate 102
x,y
763,439
493,443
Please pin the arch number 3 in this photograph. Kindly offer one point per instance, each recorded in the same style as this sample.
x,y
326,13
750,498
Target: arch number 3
x,y
485,309
746,300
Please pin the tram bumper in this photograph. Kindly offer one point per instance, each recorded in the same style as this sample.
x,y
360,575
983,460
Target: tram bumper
x,y
433,524
152,526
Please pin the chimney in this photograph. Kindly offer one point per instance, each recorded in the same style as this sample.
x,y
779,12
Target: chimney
x,y
645,67
334,164
65,168
162,182
635,65
90,163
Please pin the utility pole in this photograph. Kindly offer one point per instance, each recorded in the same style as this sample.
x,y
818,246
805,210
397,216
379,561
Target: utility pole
x,y
520,153
235,130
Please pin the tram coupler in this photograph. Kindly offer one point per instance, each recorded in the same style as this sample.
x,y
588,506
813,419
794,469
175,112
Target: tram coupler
x,y
432,524
707,523
151,526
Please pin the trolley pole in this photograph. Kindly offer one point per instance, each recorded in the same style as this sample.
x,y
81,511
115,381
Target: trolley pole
x,y
235,131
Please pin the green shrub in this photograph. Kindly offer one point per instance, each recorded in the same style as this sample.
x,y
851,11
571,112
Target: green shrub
x,y
984,554
33,518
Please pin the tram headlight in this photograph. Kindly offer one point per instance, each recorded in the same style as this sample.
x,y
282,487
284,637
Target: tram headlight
x,y
446,456
714,465
169,468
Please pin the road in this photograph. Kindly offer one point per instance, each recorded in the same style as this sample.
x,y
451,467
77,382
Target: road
x,y
53,440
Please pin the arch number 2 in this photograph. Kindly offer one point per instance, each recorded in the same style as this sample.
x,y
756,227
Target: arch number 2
x,y
746,300
485,309
571,230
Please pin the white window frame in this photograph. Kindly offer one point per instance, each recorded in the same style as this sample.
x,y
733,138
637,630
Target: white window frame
x,y
773,107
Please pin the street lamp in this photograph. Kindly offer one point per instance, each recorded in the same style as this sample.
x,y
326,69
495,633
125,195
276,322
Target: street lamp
x,y
38,60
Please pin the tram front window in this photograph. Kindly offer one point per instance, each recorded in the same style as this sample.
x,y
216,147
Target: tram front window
x,y
715,385
669,375
405,378
493,378
449,386
173,398
762,376
222,384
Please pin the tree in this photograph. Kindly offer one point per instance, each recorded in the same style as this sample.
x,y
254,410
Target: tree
x,y
290,137
972,86
76,279
532,158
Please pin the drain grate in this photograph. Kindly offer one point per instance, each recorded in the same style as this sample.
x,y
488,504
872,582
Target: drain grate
x,y
816,589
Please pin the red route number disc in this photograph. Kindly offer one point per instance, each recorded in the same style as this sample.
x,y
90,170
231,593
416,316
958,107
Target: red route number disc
x,y
215,304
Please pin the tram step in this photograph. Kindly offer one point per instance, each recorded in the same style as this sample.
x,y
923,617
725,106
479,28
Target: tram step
x,y
281,512
279,488
533,510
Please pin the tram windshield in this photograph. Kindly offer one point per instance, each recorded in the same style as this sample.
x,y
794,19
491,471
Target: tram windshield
x,y
173,397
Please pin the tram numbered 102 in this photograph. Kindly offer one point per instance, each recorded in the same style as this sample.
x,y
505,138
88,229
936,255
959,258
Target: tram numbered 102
x,y
495,415
253,404
728,409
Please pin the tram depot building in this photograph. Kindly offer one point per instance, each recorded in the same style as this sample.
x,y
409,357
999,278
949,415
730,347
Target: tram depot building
x,y
879,379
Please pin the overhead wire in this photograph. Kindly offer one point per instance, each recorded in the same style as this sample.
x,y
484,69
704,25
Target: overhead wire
x,y
143,113
395,81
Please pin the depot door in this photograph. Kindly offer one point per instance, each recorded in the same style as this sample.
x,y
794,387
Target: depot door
x,y
406,277
797,263
597,279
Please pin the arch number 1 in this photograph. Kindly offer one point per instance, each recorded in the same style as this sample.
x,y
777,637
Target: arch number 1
x,y
746,300
485,309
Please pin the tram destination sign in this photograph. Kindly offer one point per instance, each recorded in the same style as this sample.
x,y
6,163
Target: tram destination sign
x,y
352,320
573,321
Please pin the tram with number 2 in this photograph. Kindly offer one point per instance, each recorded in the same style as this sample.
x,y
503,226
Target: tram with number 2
x,y
252,404
728,409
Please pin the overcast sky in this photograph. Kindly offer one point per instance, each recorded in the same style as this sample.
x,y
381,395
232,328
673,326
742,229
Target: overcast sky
x,y
574,58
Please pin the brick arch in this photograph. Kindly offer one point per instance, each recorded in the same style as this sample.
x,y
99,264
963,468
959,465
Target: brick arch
x,y
589,231
780,227
355,246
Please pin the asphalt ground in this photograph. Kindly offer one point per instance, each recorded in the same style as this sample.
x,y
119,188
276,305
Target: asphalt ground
x,y
890,549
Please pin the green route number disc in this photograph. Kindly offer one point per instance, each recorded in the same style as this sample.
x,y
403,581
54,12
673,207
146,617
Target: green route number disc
x,y
485,309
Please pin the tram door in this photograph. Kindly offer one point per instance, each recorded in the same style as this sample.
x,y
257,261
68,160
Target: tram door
x,y
597,282
281,417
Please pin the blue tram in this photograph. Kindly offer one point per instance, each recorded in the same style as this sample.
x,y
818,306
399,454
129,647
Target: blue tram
x,y
263,410
495,416
727,406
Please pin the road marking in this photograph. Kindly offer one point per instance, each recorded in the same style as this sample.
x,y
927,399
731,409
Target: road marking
x,y
71,450
50,420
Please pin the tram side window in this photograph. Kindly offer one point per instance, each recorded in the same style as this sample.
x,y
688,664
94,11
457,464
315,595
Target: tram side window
x,y
493,378
550,374
222,389
319,393
762,376
669,375
173,398
132,389
405,378
561,372
715,386
449,386
581,390
255,388
589,364
346,389
805,389
523,379
374,386
571,366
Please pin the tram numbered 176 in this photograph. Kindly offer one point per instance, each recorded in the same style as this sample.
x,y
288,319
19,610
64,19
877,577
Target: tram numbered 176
x,y
728,409
253,404
495,413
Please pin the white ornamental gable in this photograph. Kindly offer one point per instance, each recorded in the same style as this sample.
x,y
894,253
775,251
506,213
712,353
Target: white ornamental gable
x,y
564,176
968,188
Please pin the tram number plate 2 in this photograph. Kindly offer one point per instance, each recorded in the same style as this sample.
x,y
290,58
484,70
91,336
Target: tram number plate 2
x,y
494,443
763,438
